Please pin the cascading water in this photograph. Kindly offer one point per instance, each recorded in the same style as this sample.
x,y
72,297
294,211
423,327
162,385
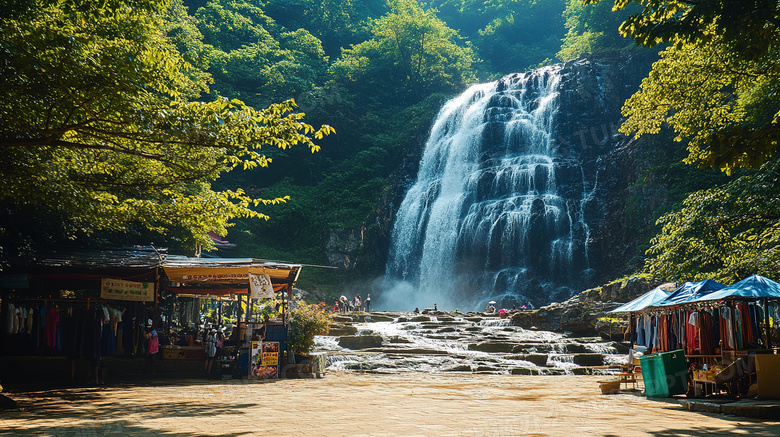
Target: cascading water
x,y
487,217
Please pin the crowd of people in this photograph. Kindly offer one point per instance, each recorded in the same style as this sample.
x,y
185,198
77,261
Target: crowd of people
x,y
344,305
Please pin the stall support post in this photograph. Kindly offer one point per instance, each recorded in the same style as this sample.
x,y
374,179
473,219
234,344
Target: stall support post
x,y
766,325
156,295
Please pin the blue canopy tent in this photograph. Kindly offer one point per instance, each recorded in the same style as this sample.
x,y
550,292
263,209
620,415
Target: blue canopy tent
x,y
691,291
752,288
650,298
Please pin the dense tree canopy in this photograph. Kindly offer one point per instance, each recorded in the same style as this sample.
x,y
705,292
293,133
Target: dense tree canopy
x,y
592,28
716,86
724,233
507,35
100,120
411,50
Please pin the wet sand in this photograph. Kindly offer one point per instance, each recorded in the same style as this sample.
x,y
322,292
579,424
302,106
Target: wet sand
x,y
350,404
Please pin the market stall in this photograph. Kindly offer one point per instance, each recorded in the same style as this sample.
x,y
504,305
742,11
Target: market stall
x,y
246,281
721,330
85,305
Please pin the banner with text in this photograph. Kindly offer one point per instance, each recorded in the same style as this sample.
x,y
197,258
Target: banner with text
x,y
119,289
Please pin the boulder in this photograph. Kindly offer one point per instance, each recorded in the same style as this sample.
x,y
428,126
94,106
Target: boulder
x,y
481,369
360,341
378,318
338,329
576,348
524,371
533,348
458,368
491,346
538,359
589,359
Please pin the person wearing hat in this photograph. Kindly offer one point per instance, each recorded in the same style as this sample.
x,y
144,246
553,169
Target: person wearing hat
x,y
211,350
151,346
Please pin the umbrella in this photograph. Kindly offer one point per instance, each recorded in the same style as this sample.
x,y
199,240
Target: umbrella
x,y
492,302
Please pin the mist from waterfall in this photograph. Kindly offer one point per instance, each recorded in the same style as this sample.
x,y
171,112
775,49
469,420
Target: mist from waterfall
x,y
486,218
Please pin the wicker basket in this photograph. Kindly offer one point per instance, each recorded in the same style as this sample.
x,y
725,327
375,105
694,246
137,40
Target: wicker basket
x,y
609,387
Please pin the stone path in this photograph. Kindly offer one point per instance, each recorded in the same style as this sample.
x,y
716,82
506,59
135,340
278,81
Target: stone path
x,y
349,404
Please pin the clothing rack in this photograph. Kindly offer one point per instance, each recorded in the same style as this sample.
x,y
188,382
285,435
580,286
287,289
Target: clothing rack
x,y
87,300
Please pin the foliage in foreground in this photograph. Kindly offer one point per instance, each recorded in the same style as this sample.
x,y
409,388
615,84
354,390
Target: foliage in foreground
x,y
306,321
724,233
100,122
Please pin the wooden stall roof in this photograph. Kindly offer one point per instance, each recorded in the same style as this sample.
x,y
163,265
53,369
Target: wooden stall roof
x,y
197,275
138,257
212,271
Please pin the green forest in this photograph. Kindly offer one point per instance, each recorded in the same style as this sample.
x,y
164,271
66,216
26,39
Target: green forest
x,y
273,123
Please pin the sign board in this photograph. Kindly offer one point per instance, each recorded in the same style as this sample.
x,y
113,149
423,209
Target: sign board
x,y
14,281
264,360
119,289
260,286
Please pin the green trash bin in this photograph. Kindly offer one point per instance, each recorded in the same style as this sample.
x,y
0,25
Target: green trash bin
x,y
676,369
664,374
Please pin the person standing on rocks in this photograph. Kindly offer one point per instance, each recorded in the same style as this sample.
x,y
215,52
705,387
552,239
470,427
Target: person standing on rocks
x,y
336,307
368,303
344,304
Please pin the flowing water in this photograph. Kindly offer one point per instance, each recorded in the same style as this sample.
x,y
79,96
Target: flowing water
x,y
431,344
488,216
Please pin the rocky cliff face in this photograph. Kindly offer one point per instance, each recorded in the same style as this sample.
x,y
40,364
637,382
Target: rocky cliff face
x,y
583,314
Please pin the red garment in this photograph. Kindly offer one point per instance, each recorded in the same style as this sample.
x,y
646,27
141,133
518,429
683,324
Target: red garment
x,y
50,330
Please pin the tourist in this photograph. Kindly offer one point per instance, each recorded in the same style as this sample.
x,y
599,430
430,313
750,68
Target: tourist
x,y
336,307
502,313
211,351
368,303
151,347
416,310
357,303
344,304
435,308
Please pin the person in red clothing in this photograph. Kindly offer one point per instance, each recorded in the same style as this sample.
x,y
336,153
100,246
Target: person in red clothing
x,y
152,346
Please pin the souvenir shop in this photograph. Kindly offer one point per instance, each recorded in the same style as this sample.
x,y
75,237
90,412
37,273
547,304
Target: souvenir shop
x,y
724,336
86,306
83,306
255,345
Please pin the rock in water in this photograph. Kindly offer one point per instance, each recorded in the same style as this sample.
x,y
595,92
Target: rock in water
x,y
7,403
360,341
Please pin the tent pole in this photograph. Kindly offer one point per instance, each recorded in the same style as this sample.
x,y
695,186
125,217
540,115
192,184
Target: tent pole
x,y
766,324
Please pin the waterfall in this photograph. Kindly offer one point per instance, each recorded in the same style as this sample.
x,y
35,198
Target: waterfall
x,y
488,217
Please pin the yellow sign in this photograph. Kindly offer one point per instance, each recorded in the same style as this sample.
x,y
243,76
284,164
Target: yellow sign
x,y
119,289
270,358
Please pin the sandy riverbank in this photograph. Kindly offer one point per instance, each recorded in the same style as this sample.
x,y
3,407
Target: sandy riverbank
x,y
344,404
